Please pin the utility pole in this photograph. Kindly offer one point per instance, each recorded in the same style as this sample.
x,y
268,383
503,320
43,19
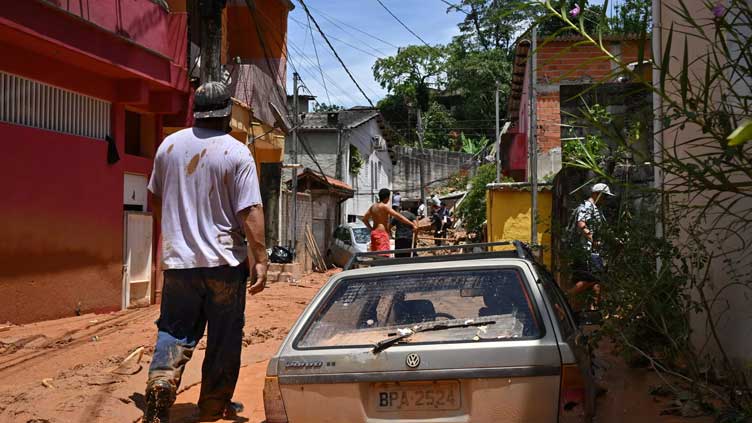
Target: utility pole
x,y
533,142
210,12
340,154
498,136
421,160
295,117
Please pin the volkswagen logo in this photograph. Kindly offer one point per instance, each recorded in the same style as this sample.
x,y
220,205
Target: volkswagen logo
x,y
412,360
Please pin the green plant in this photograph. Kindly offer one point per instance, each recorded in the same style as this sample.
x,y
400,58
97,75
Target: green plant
x,y
668,286
472,210
356,160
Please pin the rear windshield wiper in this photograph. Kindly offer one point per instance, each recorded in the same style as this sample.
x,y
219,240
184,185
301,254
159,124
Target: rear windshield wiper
x,y
404,333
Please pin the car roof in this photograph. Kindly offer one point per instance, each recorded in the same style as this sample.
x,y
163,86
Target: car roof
x,y
355,225
433,266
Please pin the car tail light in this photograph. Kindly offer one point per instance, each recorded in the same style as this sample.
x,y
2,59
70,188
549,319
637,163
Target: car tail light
x,y
273,404
572,395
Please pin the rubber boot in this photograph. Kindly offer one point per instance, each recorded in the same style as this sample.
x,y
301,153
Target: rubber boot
x,y
160,395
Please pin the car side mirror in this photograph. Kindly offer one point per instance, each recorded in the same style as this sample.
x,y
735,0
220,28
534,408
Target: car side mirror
x,y
588,318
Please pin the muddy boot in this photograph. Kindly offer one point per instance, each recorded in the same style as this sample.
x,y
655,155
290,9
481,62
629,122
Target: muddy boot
x,y
230,412
160,395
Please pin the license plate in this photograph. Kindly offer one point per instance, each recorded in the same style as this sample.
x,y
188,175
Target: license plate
x,y
417,396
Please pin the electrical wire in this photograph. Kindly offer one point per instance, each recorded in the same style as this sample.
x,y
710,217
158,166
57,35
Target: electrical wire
x,y
402,23
318,62
455,7
332,19
378,54
308,12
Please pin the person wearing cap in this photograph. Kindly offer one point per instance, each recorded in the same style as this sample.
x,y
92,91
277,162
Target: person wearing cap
x,y
587,262
206,196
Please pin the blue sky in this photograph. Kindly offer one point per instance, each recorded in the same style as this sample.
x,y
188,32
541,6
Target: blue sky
x,y
428,18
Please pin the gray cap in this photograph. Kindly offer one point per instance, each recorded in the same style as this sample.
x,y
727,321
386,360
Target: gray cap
x,y
212,100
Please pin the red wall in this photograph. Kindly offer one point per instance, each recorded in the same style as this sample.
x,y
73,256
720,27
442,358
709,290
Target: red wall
x,y
61,224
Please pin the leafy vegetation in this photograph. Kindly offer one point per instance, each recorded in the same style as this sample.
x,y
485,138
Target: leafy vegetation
x,y
472,210
669,292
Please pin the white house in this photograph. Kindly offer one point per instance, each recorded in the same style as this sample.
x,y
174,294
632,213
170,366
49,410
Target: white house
x,y
348,145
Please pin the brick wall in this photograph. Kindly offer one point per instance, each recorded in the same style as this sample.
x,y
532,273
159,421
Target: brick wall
x,y
558,65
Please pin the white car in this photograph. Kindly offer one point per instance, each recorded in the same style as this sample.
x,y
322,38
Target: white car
x,y
435,339
348,239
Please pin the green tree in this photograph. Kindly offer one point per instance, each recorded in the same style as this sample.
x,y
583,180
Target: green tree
x,y
438,123
412,73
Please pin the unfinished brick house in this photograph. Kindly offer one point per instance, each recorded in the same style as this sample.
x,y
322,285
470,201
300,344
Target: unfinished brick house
x,y
563,71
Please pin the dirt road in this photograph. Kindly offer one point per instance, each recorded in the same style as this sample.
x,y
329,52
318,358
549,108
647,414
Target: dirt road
x,y
61,371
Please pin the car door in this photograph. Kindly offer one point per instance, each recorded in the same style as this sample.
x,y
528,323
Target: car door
x,y
335,250
572,335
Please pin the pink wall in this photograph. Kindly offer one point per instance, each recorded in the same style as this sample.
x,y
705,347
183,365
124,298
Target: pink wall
x,y
62,225
141,21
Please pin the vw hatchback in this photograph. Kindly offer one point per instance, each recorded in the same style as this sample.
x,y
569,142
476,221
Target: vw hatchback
x,y
480,341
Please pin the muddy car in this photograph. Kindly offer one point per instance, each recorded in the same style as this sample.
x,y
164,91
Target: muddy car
x,y
456,340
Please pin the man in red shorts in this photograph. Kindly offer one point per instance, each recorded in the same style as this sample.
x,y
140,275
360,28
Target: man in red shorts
x,y
377,220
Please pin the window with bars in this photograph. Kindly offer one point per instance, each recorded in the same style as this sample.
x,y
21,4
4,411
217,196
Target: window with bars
x,y
38,105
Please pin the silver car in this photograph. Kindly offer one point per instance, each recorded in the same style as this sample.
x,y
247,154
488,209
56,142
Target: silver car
x,y
486,340
348,240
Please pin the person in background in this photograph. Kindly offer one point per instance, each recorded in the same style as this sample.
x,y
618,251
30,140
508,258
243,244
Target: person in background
x,y
206,197
587,262
441,221
403,234
396,201
377,220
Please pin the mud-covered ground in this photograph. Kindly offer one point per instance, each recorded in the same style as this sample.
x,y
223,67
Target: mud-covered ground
x,y
72,370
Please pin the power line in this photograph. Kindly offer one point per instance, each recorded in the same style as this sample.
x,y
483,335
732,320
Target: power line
x,y
318,62
308,12
341,41
332,19
455,7
402,23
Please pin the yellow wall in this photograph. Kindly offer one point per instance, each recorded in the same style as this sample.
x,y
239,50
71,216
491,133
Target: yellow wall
x,y
508,214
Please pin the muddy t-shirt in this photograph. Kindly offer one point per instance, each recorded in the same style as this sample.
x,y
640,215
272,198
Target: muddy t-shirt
x,y
204,178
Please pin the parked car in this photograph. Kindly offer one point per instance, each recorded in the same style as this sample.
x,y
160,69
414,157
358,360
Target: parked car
x,y
348,239
481,340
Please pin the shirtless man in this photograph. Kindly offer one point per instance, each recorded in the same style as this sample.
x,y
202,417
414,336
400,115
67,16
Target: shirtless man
x,y
380,213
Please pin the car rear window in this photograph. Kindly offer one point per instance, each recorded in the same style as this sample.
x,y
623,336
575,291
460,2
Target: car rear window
x,y
364,310
362,235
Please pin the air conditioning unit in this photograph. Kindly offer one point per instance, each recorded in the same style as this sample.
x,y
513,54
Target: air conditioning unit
x,y
378,143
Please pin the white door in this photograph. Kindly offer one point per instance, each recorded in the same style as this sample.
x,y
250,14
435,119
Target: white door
x,y
137,259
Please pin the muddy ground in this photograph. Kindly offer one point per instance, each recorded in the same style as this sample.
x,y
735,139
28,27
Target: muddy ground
x,y
70,370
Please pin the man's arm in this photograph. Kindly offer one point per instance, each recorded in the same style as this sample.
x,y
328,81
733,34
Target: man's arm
x,y
156,207
582,226
253,226
367,220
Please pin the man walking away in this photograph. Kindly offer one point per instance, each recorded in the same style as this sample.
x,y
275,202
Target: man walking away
x,y
396,201
587,262
403,234
206,195
441,222
380,213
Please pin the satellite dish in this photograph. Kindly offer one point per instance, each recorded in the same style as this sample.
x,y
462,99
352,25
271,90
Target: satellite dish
x,y
280,121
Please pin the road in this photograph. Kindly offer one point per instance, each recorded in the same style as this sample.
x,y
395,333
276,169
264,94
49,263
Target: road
x,y
60,371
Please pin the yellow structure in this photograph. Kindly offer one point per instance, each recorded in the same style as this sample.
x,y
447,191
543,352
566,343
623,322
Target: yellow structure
x,y
508,214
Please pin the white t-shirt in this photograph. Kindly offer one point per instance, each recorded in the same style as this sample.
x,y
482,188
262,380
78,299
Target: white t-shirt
x,y
204,178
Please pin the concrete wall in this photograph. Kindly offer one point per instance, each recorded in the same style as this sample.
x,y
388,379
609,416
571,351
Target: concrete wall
x,y
508,211
733,305
438,165
323,146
